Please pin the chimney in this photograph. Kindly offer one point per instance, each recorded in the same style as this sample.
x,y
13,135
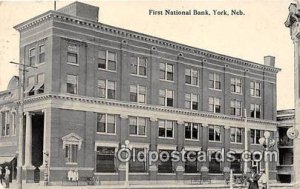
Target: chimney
x,y
269,61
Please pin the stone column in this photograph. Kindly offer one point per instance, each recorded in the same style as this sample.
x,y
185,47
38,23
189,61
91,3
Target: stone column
x,y
204,165
153,146
123,136
28,140
226,167
180,144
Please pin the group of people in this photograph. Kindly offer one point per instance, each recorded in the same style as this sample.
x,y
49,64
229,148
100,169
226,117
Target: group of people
x,y
73,175
4,175
255,178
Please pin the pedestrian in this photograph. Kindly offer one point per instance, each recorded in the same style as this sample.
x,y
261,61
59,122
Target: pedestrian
x,y
1,176
253,179
6,177
263,179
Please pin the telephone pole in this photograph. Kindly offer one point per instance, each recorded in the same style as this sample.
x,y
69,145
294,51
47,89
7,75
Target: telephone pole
x,y
22,69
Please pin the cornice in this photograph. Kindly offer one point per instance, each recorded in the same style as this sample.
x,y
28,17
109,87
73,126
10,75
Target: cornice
x,y
140,37
93,100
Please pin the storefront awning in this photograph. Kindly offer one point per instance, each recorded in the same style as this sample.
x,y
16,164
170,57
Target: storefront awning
x,y
6,159
38,86
29,88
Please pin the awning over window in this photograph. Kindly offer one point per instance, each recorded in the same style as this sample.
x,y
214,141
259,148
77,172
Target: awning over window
x,y
38,86
29,88
6,159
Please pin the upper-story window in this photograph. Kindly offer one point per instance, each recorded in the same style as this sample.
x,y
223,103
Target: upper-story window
x,y
137,126
166,71
191,77
107,60
214,81
166,97
32,56
31,80
6,124
255,89
138,93
255,110
214,133
72,54
72,84
166,128
107,89
236,107
14,124
30,86
192,131
39,88
255,135
236,85
41,54
138,66
214,105
106,123
191,101
235,135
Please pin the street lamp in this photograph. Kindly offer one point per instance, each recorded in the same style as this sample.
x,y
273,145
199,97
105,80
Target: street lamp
x,y
267,143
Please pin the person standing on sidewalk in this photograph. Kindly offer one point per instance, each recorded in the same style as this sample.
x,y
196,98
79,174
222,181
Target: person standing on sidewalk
x,y
1,175
6,177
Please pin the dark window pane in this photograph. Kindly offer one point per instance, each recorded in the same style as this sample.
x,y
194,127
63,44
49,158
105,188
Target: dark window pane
x,y
101,63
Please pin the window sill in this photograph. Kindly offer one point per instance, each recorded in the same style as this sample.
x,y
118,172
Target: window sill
x,y
237,93
40,64
106,173
141,136
259,97
71,163
170,81
214,141
213,89
72,64
166,173
107,70
144,173
100,133
215,174
191,174
191,85
136,75
168,138
236,143
193,140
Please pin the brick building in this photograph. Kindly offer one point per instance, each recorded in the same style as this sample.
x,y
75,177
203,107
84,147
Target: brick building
x,y
97,85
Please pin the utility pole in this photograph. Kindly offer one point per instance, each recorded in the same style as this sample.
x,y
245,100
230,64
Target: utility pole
x,y
22,68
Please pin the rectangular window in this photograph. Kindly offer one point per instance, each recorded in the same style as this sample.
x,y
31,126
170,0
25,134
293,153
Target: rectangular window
x,y
31,81
72,54
255,89
106,89
191,76
191,101
72,84
32,56
71,153
105,160
235,135
107,60
255,135
192,131
191,166
236,85
214,133
106,123
214,105
14,124
214,81
166,97
138,66
255,111
214,164
166,71
137,126
165,165
236,165
136,166
166,129
41,54
5,124
236,108
138,93
40,80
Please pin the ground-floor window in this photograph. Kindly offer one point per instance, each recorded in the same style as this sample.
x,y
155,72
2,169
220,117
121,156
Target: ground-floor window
x,y
214,164
236,165
191,162
71,153
137,162
165,164
105,160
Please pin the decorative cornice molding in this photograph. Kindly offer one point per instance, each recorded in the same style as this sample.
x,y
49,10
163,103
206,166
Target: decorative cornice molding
x,y
138,36
95,100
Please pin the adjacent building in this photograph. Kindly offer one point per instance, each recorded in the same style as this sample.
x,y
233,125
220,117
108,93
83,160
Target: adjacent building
x,y
96,85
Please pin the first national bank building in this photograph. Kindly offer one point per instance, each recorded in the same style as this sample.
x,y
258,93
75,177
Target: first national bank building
x,y
95,86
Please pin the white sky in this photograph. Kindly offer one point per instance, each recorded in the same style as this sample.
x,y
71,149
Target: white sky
x,y
258,33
